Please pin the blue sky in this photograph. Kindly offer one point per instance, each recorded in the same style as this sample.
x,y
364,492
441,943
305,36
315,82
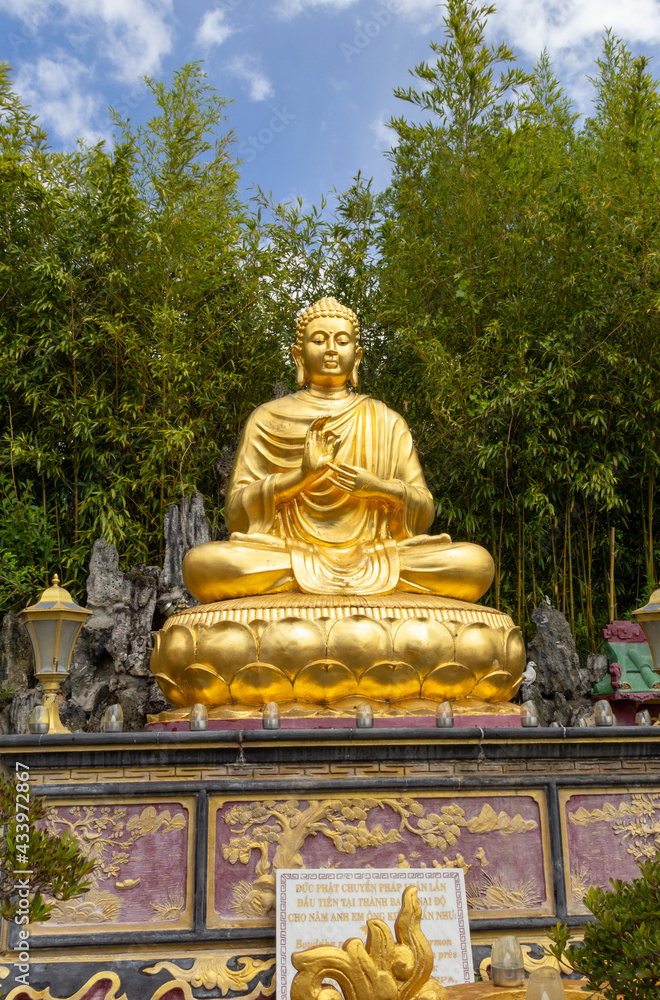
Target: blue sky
x,y
311,80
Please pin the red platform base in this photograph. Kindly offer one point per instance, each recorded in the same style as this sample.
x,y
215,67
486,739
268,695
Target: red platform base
x,y
397,722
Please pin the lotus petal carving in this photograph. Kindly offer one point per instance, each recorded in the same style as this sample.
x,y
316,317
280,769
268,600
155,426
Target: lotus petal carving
x,y
389,682
479,645
291,643
259,683
324,681
205,685
424,644
359,642
451,680
226,646
176,651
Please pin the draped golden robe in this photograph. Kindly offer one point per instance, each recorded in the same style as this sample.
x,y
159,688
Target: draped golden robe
x,y
325,540
338,543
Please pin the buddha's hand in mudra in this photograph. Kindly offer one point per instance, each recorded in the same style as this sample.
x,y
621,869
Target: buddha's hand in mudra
x,y
365,485
319,451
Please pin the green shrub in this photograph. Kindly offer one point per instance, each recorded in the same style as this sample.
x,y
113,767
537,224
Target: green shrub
x,y
56,865
620,954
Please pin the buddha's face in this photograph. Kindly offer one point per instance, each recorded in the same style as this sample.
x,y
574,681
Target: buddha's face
x,y
329,353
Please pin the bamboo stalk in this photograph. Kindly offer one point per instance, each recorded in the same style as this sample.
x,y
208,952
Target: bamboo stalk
x,y
570,571
650,549
590,611
523,595
57,532
563,596
497,561
76,457
581,581
612,586
555,585
519,571
499,555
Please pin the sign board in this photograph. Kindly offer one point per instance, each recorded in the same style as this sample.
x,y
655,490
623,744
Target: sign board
x,y
328,906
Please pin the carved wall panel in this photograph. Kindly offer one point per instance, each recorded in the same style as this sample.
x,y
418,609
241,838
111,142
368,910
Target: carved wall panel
x,y
144,876
499,840
605,833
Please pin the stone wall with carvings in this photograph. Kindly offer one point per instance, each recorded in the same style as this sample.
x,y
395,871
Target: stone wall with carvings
x,y
189,830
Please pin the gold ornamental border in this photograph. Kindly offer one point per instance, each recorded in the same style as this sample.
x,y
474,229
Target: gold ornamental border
x,y
210,963
113,994
185,920
400,606
216,802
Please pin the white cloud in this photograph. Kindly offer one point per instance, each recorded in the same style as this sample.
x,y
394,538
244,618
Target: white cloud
x,y
568,25
55,86
247,69
425,10
383,136
213,28
291,8
571,31
133,35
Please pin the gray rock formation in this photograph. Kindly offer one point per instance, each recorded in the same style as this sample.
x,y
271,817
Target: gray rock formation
x,y
16,675
110,661
185,526
111,658
597,667
223,466
21,708
561,688
16,658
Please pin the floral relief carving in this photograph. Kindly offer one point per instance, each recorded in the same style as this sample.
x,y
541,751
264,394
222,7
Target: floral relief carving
x,y
278,829
106,835
637,822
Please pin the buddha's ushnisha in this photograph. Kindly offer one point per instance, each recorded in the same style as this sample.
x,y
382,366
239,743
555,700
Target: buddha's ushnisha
x,y
327,495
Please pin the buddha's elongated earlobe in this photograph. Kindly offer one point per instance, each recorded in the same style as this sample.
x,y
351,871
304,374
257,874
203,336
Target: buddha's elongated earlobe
x,y
296,354
353,377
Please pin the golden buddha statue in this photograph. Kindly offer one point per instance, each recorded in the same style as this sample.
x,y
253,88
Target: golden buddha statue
x,y
327,495
328,592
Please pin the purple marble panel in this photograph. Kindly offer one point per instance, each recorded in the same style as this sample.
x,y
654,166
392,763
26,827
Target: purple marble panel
x,y
606,834
142,864
499,841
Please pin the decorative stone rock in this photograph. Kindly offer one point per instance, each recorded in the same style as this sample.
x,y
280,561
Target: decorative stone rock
x,y
561,688
597,665
16,659
185,526
553,651
21,709
129,640
105,581
111,658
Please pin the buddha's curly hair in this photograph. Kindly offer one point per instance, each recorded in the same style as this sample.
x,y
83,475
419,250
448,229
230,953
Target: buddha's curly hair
x,y
325,307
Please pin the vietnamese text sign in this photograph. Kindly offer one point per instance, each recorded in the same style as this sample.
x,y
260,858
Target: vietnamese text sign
x,y
327,906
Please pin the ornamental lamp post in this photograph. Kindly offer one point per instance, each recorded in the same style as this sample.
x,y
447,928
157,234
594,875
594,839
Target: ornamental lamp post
x,y
53,624
649,618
